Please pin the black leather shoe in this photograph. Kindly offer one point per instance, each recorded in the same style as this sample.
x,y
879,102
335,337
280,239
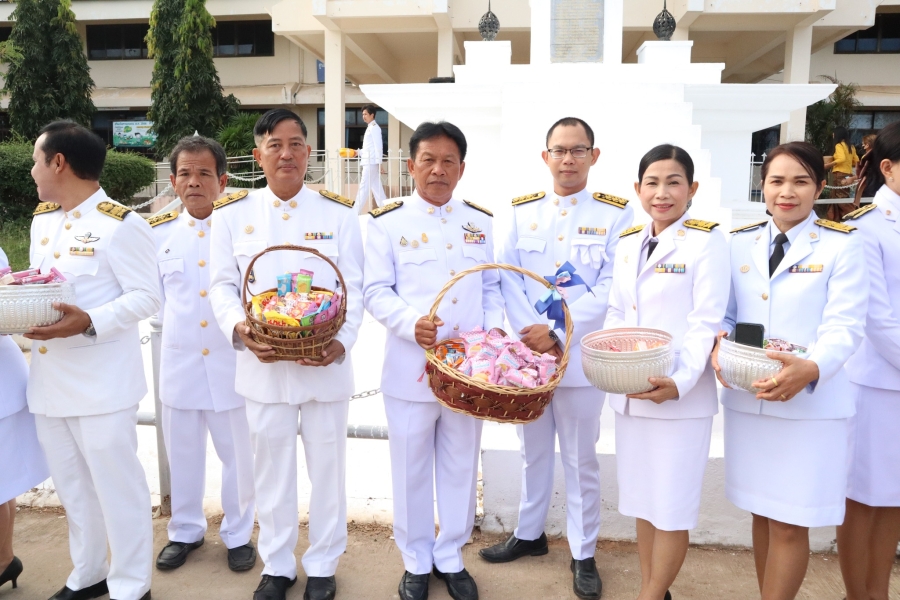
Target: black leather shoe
x,y
12,572
242,558
320,588
273,587
88,593
144,597
460,585
175,554
414,587
668,596
586,580
514,548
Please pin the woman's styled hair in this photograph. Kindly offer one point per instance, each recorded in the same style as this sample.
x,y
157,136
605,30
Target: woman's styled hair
x,y
667,152
804,153
887,146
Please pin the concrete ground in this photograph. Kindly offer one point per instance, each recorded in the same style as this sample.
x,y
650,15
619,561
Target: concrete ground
x,y
372,567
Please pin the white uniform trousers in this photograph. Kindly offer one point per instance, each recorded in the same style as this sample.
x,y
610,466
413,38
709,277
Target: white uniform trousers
x,y
101,484
370,181
574,414
273,435
432,448
185,433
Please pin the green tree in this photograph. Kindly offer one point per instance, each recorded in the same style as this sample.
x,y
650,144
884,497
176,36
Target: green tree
x,y
48,76
191,99
835,111
164,19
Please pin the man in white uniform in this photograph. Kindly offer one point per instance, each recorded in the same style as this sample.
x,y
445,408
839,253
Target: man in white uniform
x,y
198,368
547,231
288,212
413,247
87,375
370,157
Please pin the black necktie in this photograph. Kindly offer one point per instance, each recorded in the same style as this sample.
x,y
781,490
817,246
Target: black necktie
x,y
651,247
778,253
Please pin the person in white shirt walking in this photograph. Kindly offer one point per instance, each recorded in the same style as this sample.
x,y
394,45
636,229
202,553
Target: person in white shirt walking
x,y
370,157
197,371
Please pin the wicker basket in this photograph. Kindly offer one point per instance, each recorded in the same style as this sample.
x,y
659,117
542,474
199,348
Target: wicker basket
x,y
293,343
25,306
489,401
625,372
742,365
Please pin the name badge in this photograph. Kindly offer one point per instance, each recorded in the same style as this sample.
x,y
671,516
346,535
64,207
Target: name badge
x,y
319,235
591,231
806,269
670,268
474,238
81,251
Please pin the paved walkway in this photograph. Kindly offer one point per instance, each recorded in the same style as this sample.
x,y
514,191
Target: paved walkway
x,y
372,568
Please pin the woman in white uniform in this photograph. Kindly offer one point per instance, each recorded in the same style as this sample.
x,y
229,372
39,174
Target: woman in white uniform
x,y
21,458
786,445
867,541
668,275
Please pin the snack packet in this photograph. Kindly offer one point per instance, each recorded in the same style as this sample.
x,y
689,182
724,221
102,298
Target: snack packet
x,y
546,365
483,368
474,340
284,284
303,283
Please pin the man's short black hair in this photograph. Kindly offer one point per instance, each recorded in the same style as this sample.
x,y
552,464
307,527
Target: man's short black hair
x,y
571,122
429,130
84,150
195,144
266,124
371,109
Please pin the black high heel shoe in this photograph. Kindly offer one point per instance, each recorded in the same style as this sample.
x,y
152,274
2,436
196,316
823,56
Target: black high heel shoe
x,y
12,572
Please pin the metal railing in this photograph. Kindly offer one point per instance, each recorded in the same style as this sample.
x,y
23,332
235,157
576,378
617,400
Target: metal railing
x,y
828,196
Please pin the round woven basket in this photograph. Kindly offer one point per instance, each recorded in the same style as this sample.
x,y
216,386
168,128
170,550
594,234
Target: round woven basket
x,y
292,343
625,372
25,306
489,401
742,365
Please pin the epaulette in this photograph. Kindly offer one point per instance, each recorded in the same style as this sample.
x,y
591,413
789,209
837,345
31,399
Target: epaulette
x,y
749,227
631,230
229,199
383,210
163,218
339,199
610,199
835,226
481,208
706,226
859,212
528,198
116,211
46,207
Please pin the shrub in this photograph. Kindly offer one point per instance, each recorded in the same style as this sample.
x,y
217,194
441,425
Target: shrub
x,y
125,174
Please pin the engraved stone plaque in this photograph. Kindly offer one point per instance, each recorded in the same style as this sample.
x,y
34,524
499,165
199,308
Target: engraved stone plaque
x,y
576,31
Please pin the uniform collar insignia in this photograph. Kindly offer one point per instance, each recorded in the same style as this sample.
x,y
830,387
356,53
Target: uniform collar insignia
x,y
86,238
471,227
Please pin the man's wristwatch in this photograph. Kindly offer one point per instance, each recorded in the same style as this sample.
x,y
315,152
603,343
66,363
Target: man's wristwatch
x,y
90,331
553,336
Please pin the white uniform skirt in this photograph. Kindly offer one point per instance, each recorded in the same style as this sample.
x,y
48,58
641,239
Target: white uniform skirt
x,y
793,471
660,465
874,477
21,457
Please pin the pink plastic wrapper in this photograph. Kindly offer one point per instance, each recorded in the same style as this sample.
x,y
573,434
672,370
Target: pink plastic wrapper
x,y
36,279
57,276
546,365
474,340
510,358
520,379
466,367
483,368
5,270
330,312
26,273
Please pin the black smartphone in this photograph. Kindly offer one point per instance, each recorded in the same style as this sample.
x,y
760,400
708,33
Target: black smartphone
x,y
750,334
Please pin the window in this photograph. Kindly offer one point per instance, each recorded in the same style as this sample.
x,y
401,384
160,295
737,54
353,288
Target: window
x,y
881,38
117,42
865,122
5,33
354,128
243,38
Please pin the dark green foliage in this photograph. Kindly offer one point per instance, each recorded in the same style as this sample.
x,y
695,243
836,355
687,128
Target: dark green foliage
x,y
124,175
48,76
187,95
15,239
835,111
237,139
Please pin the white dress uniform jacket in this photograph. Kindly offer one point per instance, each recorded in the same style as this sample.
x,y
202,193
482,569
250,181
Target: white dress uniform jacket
x,y
408,260
686,276
241,230
817,297
877,362
116,284
198,362
373,145
546,231
13,370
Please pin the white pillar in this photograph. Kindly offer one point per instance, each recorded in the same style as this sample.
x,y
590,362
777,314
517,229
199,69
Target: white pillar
x,y
445,52
613,21
540,32
334,101
797,51
394,149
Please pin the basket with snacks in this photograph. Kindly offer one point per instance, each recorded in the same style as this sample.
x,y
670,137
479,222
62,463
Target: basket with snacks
x,y
620,361
490,376
27,298
742,365
295,318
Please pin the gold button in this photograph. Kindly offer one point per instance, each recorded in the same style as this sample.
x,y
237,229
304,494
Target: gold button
x,y
765,296
293,203
564,213
277,203
558,263
191,223
68,226
45,241
813,236
456,328
745,269
453,301
443,220
76,214
415,243
248,229
887,212
633,307
203,293
208,223
533,226
452,272
625,259
425,238
681,233
556,201
430,210
449,246
42,350
759,236
203,323
205,352
56,255
574,200
285,216
202,263
560,238
201,234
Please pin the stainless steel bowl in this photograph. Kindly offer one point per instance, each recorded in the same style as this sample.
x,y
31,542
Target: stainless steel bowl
x,y
742,365
625,372
25,306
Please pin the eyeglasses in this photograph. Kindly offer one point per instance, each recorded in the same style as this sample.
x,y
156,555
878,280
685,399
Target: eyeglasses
x,y
560,153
